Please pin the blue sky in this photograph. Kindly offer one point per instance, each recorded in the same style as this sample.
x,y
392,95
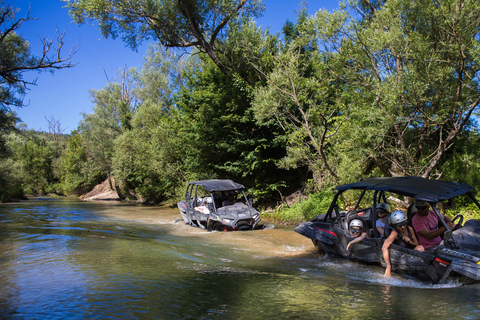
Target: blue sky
x,y
64,95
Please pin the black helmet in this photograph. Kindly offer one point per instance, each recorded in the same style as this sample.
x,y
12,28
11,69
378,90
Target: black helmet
x,y
384,206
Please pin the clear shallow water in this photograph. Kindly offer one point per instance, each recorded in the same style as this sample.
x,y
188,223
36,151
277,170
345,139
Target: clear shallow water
x,y
64,259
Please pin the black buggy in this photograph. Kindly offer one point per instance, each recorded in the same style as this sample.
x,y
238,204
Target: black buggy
x,y
457,256
218,205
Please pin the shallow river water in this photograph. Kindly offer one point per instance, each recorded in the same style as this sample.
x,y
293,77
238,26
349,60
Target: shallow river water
x,y
67,259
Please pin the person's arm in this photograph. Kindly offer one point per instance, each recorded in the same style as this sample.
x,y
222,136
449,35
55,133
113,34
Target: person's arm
x,y
449,222
360,238
413,242
380,230
431,234
386,254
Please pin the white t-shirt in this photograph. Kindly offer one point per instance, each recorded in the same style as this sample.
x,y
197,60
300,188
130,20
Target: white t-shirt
x,y
380,224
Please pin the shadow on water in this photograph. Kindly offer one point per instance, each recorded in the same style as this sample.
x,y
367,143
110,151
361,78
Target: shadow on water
x,y
69,259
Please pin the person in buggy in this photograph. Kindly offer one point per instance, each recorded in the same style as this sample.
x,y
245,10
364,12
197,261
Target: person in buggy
x,y
399,232
355,229
426,224
383,210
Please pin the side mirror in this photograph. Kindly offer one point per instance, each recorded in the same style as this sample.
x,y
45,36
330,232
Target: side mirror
x,y
250,202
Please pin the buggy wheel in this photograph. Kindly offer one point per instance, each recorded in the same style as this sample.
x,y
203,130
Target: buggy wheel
x,y
318,247
216,226
210,225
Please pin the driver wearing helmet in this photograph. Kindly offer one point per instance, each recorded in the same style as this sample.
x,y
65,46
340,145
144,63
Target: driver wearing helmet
x,y
401,234
383,209
356,230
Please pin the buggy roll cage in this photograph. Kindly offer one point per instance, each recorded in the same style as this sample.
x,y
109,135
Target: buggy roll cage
x,y
380,195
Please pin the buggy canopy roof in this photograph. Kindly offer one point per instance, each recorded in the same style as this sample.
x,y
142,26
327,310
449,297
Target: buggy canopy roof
x,y
415,187
218,184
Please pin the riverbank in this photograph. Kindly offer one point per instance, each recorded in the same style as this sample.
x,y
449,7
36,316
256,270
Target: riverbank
x,y
104,191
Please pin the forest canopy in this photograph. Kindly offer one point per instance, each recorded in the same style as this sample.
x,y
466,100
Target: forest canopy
x,y
375,88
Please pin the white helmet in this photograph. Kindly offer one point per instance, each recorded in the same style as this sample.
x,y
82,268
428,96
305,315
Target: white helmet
x,y
208,200
397,217
356,223
383,206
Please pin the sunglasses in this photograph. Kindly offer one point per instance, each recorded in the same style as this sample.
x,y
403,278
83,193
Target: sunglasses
x,y
382,210
402,224
422,207
355,230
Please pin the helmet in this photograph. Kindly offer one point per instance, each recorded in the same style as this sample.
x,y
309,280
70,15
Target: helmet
x,y
208,199
384,206
397,217
421,203
356,223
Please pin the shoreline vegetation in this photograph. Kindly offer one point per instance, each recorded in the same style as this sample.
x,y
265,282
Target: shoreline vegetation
x,y
296,209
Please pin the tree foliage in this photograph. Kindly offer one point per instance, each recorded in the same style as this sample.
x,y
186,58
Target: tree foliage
x,y
179,23
375,88
388,89
16,58
226,142
36,158
147,157
100,128
28,166
419,62
303,95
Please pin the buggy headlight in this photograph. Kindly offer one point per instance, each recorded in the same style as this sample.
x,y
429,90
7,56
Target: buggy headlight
x,y
227,220
255,216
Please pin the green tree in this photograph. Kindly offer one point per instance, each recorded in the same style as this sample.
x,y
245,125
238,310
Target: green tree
x,y
148,161
10,170
384,92
99,129
16,58
462,161
305,96
223,139
77,177
37,156
416,62
180,23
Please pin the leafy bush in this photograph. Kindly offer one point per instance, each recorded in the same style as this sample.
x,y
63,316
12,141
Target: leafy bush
x,y
10,181
470,211
316,204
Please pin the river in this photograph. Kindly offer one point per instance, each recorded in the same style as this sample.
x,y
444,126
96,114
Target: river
x,y
68,259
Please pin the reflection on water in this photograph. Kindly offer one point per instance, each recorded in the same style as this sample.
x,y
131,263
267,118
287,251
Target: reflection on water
x,y
69,259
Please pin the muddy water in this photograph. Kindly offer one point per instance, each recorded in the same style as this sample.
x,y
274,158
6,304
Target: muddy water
x,y
63,259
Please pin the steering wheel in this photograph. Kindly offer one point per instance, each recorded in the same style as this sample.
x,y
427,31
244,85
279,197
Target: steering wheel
x,y
459,224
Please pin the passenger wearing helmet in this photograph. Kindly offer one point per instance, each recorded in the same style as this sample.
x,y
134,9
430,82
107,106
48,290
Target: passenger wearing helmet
x,y
425,222
383,209
205,205
401,234
355,229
